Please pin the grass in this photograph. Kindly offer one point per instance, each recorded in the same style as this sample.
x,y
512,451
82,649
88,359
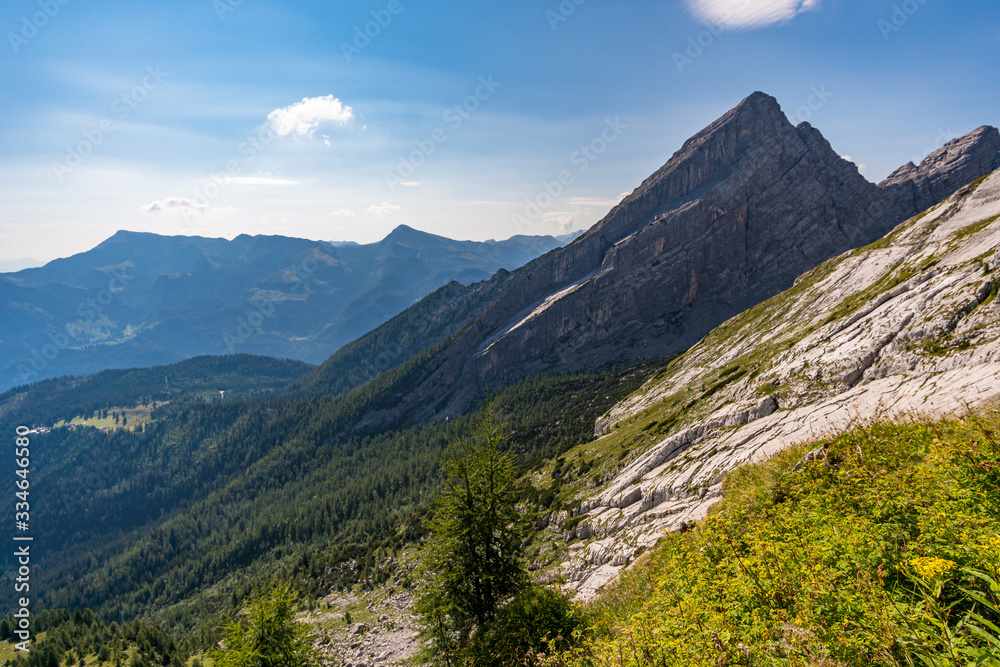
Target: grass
x,y
135,416
884,551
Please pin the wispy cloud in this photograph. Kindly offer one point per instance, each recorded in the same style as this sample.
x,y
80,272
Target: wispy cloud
x,y
383,208
182,203
749,14
186,205
260,180
341,213
302,118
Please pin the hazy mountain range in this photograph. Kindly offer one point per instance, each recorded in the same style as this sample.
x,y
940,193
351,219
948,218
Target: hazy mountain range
x,y
141,299
754,289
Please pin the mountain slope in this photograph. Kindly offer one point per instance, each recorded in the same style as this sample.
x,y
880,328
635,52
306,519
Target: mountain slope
x,y
242,376
142,299
175,518
908,325
737,213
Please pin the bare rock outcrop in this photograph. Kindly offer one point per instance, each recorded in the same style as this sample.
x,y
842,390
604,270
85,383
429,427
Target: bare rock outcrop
x,y
912,189
904,328
742,209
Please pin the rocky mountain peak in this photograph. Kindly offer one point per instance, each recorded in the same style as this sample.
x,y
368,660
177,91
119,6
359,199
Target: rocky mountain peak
x,y
742,209
916,188
703,161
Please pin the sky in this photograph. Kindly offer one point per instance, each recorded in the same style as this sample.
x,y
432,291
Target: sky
x,y
342,120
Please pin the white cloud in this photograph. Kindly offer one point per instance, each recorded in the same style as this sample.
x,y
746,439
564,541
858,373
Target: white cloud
x,y
186,205
383,208
302,118
409,184
342,213
862,168
749,14
225,209
563,220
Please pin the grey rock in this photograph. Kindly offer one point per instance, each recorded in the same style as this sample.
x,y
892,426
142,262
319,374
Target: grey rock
x,y
838,351
814,455
912,189
734,217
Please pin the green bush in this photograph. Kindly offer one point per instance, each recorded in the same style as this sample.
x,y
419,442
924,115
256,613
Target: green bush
x,y
267,634
536,622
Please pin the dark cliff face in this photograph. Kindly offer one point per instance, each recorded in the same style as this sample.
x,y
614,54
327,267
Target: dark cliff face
x,y
741,210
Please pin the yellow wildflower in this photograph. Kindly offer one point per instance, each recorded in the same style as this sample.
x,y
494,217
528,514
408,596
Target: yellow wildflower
x,y
930,569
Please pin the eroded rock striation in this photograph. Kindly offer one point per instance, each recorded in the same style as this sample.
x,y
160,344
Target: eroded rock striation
x,y
908,326
744,207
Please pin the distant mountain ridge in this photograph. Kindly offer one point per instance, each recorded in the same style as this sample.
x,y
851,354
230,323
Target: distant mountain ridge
x,y
140,299
315,474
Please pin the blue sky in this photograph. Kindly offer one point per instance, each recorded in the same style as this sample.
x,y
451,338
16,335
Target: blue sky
x,y
452,117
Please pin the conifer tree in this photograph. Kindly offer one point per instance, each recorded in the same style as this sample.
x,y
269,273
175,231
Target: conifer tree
x,y
267,635
471,563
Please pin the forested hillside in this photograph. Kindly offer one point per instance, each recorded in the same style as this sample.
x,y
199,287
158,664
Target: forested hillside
x,y
172,521
242,376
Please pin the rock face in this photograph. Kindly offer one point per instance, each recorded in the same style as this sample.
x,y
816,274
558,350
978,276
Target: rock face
x,y
908,326
912,189
744,207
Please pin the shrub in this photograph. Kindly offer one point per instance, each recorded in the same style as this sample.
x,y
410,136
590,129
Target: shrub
x,y
537,621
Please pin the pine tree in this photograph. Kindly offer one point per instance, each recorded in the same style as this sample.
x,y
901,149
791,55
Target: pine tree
x,y
268,635
472,560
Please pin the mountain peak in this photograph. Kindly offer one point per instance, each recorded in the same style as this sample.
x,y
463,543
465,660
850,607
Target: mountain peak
x,y
758,112
758,102
746,206
712,156
938,175
404,234
404,229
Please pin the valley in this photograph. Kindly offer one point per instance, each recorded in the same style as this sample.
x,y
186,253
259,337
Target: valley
x,y
751,307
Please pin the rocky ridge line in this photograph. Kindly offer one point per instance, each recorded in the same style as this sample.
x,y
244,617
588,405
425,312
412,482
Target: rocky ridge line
x,y
908,326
